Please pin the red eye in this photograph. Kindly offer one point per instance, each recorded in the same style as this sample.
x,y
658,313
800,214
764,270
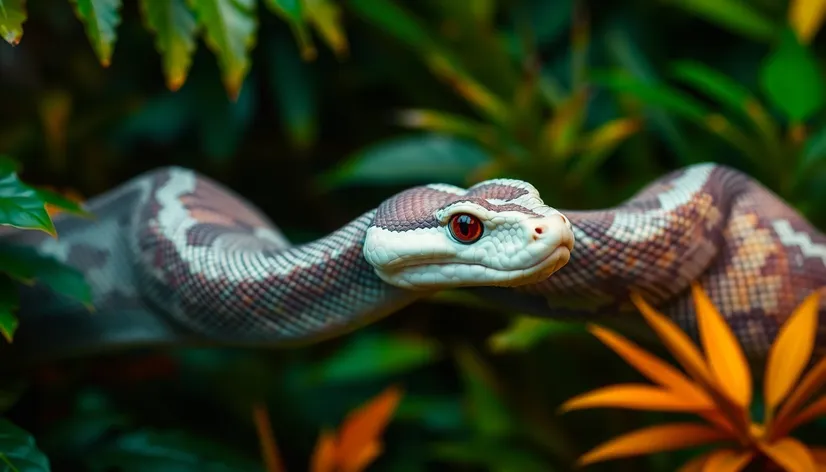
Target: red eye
x,y
465,228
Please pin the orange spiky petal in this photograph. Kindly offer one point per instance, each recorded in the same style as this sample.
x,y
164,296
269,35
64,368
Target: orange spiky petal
x,y
655,369
725,357
660,438
676,341
638,397
791,351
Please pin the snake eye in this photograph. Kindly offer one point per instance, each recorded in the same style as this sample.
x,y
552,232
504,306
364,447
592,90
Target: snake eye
x,y
465,228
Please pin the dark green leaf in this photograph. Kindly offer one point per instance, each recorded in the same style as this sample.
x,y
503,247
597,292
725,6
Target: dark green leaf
x,y
670,99
230,27
12,17
292,85
168,451
815,148
427,158
714,84
436,413
729,93
792,80
27,265
9,300
495,456
370,356
292,11
174,26
224,122
626,51
101,18
525,332
20,205
736,15
18,450
486,409
397,22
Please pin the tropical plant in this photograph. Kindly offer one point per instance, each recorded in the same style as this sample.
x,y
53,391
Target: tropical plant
x,y
718,388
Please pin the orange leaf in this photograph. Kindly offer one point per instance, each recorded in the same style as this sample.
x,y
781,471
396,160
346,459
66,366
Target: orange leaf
x,y
696,464
667,437
365,425
638,397
266,437
790,454
818,454
358,462
817,408
655,369
725,356
810,384
727,460
324,456
791,351
676,341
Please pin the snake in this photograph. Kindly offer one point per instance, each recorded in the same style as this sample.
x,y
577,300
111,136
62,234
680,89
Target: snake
x,y
175,258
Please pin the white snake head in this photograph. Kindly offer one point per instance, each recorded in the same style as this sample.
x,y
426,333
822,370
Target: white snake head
x,y
496,233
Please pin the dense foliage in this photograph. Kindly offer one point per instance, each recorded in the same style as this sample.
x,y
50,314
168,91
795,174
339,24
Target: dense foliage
x,y
337,105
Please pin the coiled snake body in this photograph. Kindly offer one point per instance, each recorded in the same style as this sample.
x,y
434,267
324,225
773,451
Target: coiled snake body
x,y
173,257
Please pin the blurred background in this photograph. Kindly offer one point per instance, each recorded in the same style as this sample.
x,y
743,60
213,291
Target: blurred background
x,y
317,110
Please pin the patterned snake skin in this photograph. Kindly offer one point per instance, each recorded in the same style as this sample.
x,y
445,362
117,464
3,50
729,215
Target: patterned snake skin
x,y
174,258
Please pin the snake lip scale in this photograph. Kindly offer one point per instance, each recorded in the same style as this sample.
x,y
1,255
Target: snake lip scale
x,y
174,258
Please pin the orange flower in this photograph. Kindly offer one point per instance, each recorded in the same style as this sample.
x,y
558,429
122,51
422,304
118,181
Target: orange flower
x,y
718,388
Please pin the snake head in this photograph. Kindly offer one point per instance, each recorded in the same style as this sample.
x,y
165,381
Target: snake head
x,y
496,233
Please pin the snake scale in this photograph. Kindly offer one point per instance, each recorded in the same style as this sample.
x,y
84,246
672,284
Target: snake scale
x,y
173,258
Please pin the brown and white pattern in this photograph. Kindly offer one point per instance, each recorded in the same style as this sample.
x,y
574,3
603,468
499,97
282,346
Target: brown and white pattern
x,y
176,258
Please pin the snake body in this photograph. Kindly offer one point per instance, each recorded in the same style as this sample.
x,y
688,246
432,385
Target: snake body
x,y
174,257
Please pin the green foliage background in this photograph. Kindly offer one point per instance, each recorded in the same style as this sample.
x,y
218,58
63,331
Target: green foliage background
x,y
316,110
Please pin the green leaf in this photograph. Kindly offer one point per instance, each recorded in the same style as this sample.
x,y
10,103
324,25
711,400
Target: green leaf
x,y
626,51
684,106
326,17
737,16
447,123
9,301
292,86
174,26
369,356
19,451
12,16
670,99
413,159
597,145
21,206
28,265
167,451
405,27
792,80
729,93
488,413
713,83
437,413
101,18
223,122
292,11
230,27
526,332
